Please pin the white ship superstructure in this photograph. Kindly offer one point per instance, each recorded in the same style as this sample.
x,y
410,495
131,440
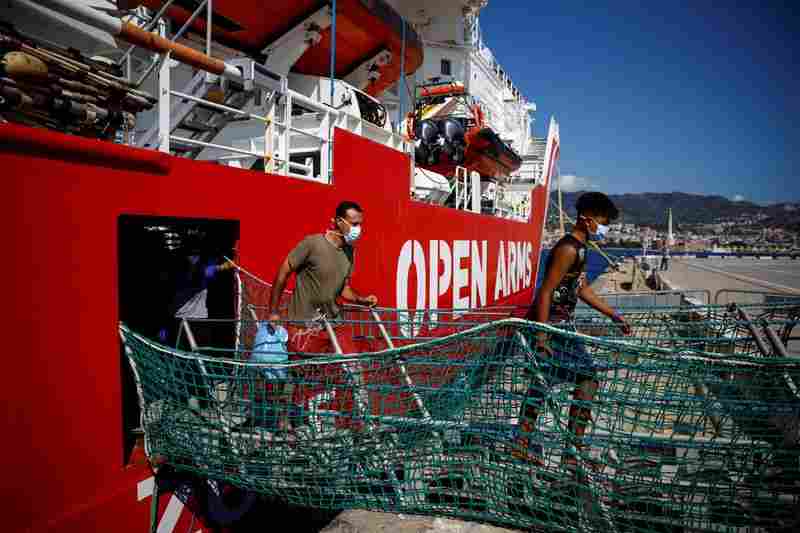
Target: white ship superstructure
x,y
455,50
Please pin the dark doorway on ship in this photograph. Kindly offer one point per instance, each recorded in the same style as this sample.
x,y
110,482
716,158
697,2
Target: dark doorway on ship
x,y
170,268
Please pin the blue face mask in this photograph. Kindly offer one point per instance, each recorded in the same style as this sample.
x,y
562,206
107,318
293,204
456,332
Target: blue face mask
x,y
599,234
353,235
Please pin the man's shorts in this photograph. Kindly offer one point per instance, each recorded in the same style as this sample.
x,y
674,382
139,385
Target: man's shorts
x,y
569,363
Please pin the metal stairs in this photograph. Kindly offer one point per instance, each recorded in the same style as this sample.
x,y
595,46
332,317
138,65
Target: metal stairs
x,y
195,120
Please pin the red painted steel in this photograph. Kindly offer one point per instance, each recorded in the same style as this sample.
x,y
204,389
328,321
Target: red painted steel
x,y
62,449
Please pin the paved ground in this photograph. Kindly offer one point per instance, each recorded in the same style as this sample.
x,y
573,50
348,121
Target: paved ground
x,y
778,273
371,522
772,275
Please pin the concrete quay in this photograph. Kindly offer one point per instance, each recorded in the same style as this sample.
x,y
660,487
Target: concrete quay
x,y
732,278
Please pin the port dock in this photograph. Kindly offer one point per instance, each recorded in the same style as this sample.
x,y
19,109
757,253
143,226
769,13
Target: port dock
x,y
781,276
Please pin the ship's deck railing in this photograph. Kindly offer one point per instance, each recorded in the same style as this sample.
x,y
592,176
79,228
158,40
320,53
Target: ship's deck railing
x,y
296,144
467,192
286,132
307,135
728,296
667,298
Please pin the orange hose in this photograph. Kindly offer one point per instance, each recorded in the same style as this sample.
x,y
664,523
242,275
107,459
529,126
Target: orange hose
x,y
135,35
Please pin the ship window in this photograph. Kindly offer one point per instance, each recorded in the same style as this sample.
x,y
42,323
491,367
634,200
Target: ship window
x,y
157,270
447,67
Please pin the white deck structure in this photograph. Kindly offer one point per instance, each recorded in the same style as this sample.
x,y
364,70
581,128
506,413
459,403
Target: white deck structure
x,y
455,49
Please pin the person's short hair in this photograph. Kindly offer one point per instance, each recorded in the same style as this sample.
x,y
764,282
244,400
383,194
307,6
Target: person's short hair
x,y
598,204
343,207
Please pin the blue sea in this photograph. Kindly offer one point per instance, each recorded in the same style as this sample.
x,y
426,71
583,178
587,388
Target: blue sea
x,y
595,263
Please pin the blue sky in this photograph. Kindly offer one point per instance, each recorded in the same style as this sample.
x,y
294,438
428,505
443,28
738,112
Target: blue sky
x,y
661,96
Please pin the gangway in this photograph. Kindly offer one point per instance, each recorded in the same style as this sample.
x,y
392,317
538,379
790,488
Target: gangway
x,y
693,425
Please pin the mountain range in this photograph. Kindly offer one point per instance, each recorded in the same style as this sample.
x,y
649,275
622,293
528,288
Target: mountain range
x,y
651,209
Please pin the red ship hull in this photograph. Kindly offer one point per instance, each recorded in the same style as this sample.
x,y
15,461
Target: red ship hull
x,y
63,451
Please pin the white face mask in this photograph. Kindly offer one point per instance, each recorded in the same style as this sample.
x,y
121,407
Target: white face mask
x,y
353,235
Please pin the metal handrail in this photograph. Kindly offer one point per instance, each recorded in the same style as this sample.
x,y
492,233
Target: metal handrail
x,y
786,295
685,294
219,107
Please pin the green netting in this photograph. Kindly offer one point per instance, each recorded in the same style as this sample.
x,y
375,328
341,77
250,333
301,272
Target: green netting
x,y
693,427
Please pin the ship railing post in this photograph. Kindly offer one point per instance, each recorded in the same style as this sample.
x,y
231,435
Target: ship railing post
x,y
476,192
464,190
269,131
459,187
164,97
455,184
412,164
287,132
402,367
325,130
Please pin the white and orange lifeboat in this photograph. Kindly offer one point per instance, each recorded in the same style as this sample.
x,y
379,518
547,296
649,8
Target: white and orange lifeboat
x,y
367,32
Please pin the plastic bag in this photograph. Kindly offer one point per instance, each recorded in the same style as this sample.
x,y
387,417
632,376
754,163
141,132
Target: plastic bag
x,y
270,347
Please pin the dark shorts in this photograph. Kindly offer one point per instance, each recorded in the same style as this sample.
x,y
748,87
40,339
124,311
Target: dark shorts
x,y
569,363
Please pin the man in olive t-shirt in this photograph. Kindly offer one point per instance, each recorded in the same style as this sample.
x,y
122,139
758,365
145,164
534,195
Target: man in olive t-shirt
x,y
323,264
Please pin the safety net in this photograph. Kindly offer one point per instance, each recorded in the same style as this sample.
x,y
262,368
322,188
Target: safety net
x,y
690,424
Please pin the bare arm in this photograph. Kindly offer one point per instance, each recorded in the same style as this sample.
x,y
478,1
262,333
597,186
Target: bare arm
x,y
590,297
350,295
277,289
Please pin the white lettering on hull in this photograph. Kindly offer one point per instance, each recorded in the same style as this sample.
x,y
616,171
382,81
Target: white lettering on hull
x,y
172,514
460,274
462,269
478,287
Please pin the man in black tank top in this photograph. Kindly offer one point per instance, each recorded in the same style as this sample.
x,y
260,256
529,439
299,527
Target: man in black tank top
x,y
563,359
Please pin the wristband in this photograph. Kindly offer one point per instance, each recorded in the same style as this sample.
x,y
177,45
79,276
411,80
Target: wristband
x,y
616,317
